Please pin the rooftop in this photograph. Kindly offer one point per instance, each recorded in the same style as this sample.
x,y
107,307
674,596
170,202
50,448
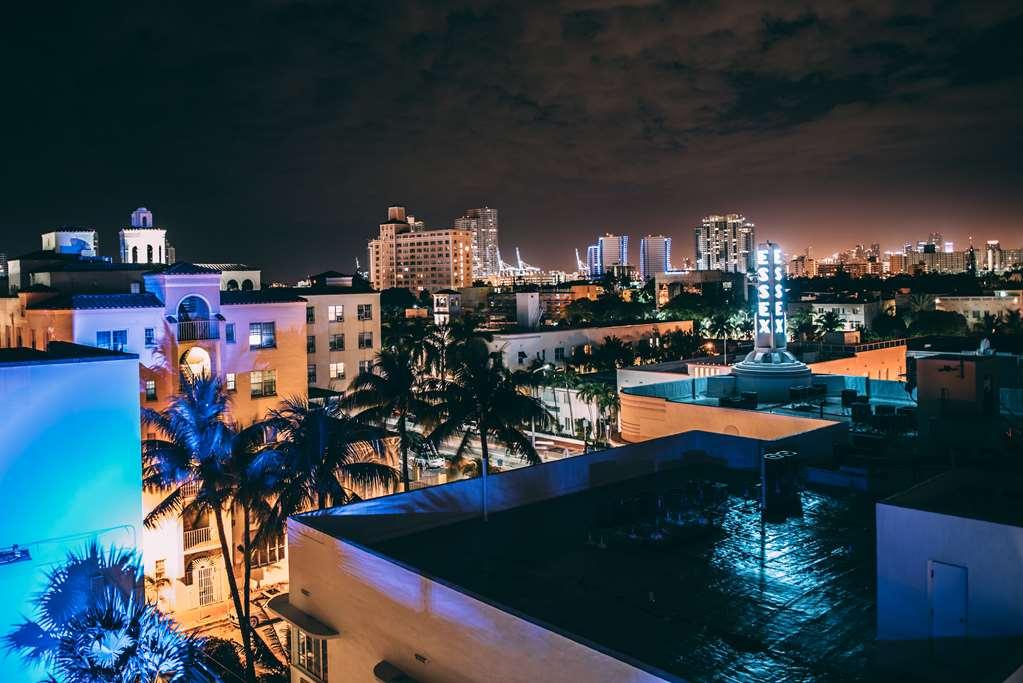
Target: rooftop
x,y
675,573
225,266
185,268
990,497
80,302
58,352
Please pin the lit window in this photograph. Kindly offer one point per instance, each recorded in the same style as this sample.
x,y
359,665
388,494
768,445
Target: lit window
x,y
337,370
150,389
335,314
263,383
150,337
311,654
230,383
262,335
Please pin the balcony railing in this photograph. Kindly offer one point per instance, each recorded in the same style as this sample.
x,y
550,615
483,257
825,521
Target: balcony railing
x,y
196,537
190,489
198,330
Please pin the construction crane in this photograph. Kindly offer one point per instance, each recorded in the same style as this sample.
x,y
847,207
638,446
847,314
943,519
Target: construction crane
x,y
580,265
520,267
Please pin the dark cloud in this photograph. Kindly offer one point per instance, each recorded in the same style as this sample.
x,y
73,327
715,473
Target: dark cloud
x,y
277,132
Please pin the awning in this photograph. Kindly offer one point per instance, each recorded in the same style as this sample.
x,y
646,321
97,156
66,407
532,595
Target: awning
x,y
281,606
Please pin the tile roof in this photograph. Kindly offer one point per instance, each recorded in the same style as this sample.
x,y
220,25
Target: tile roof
x,y
80,302
185,268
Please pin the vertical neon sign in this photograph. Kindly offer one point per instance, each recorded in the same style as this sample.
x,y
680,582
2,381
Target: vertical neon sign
x,y
770,297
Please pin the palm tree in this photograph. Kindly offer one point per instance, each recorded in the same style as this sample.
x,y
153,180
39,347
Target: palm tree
x,y
395,387
988,324
720,326
677,345
610,403
829,321
801,324
91,626
919,303
485,399
612,354
742,324
593,393
323,458
1011,322
196,445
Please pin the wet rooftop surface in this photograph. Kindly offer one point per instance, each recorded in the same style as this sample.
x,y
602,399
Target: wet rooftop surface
x,y
733,601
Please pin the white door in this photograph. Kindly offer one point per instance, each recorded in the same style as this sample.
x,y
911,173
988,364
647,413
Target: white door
x,y
947,588
206,579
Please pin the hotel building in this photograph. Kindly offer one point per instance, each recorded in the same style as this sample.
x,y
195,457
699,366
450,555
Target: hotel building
x,y
725,243
419,259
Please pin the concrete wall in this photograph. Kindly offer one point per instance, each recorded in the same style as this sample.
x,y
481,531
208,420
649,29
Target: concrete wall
x,y
69,471
992,554
889,364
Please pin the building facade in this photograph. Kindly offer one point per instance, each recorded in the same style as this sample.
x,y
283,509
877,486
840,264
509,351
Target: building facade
x,y
419,259
483,223
142,242
975,308
342,334
725,243
654,256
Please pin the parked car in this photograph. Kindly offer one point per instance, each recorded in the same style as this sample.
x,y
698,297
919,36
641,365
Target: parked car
x,y
258,615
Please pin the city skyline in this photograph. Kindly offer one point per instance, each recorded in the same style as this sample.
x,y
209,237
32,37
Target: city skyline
x,y
817,124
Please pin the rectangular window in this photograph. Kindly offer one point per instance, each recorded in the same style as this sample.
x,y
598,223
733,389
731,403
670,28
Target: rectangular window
x,y
262,336
310,373
102,339
230,383
263,383
335,314
337,342
119,340
270,552
150,337
310,314
365,340
310,344
310,654
365,312
559,353
160,569
150,389
365,367
229,333
337,370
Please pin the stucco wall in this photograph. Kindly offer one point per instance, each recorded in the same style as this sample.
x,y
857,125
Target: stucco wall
x,y
992,554
889,364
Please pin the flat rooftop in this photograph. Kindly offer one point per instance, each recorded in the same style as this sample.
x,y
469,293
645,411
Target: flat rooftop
x,y
59,352
728,600
986,496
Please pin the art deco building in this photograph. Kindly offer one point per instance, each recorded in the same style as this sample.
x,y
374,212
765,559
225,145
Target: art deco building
x,y
418,260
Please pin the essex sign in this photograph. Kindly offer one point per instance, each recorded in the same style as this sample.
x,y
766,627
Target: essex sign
x,y
770,318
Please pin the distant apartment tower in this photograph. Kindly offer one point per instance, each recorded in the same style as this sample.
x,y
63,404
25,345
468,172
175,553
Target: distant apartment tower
x,y
3,265
725,243
142,242
610,250
654,256
485,248
403,256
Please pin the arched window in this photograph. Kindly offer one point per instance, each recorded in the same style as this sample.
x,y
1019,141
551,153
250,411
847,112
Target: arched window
x,y
149,253
193,308
247,284
134,254
232,285
195,362
161,253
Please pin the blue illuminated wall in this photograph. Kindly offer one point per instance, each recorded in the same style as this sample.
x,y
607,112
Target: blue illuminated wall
x,y
70,469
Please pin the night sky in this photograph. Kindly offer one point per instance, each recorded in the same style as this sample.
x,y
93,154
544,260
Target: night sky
x,y
277,133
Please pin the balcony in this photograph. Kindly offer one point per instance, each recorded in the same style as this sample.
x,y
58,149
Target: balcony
x,y
198,330
197,537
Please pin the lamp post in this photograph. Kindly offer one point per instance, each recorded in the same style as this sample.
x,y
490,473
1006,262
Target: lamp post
x,y
532,419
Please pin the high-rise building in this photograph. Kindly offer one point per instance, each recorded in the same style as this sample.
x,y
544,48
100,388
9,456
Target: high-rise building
x,y
142,242
654,256
610,250
419,259
725,243
3,265
485,248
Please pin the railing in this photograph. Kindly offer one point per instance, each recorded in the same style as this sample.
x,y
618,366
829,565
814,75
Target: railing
x,y
196,330
190,489
195,537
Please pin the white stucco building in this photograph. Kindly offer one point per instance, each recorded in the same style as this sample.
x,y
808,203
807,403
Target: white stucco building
x,y
142,242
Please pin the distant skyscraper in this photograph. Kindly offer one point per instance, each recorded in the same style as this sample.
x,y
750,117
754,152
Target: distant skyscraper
x,y
654,256
725,243
610,250
3,265
484,227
